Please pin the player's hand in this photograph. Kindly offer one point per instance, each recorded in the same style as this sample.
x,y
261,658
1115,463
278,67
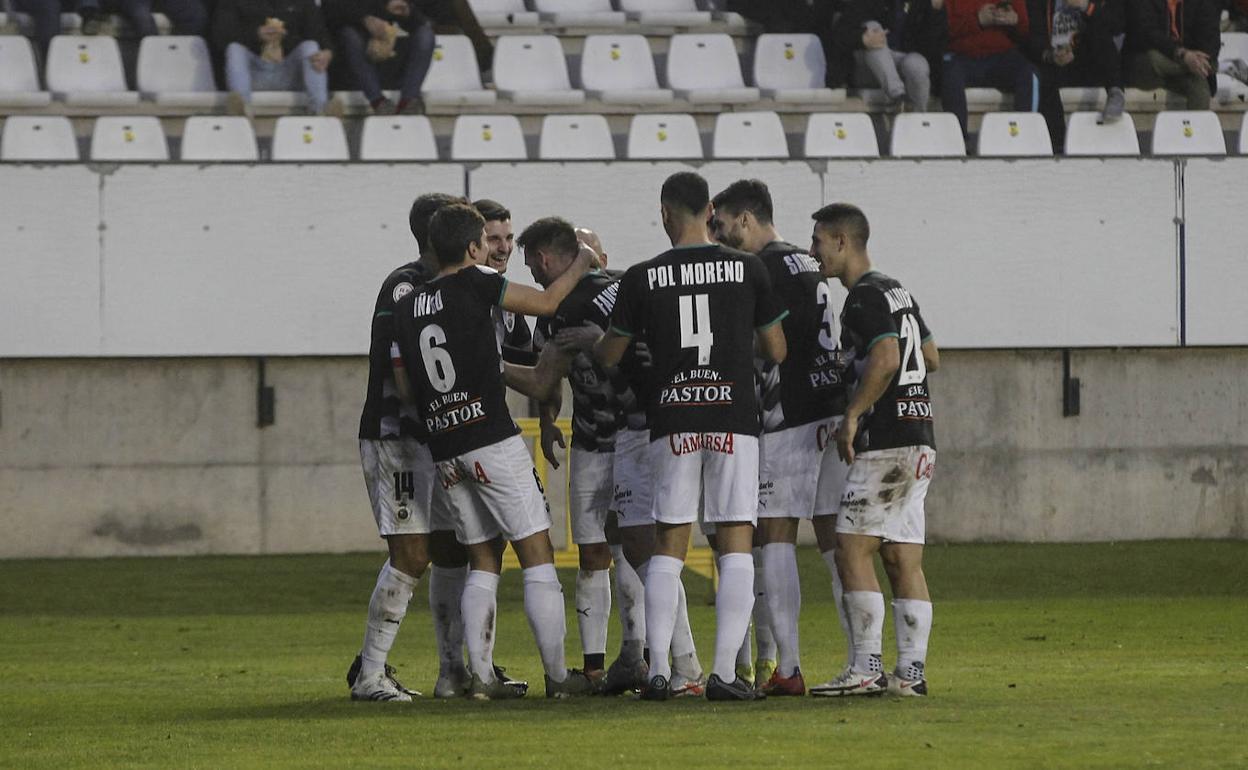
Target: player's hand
x,y
376,27
874,37
401,9
551,435
845,439
589,254
579,339
321,59
1063,55
644,357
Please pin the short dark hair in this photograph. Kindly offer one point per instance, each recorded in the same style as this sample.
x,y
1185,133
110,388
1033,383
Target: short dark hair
x,y
554,234
686,191
492,211
451,229
749,195
845,218
422,209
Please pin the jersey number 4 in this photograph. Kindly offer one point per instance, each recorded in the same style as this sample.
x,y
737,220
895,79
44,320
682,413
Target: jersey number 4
x,y
695,326
913,367
438,364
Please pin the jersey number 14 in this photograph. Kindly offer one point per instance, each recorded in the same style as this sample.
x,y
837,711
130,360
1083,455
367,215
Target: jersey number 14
x,y
695,326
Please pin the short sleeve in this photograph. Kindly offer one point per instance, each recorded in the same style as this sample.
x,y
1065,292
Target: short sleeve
x,y
768,309
486,283
626,316
867,314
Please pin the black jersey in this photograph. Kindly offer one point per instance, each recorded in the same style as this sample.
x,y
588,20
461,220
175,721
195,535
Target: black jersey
x,y
696,308
384,415
445,334
811,382
515,338
878,307
600,398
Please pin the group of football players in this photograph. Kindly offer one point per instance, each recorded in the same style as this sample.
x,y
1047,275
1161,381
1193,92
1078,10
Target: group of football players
x,y
712,384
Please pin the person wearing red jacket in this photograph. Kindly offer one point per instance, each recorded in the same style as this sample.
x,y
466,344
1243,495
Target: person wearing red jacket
x,y
985,51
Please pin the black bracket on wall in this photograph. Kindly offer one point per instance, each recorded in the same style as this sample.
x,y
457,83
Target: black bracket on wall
x,y
1070,388
265,398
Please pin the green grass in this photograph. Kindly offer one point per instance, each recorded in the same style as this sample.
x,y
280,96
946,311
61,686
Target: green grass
x,y
1042,655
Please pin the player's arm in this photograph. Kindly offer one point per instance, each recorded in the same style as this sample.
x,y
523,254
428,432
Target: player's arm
x,y
401,382
542,381
883,361
931,354
610,348
547,414
529,301
771,342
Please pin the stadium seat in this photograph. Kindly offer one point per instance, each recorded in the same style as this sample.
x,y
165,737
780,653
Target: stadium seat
x,y
1182,132
1013,134
1234,53
177,72
397,137
619,69
488,137
214,138
841,135
453,78
749,135
1243,135
19,77
575,137
791,69
927,135
580,13
657,137
676,13
38,138
531,69
504,13
1085,136
138,138
309,138
705,69
87,72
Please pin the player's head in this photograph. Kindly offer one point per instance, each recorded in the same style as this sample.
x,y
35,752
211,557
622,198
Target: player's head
x,y
742,215
684,200
550,246
422,210
841,233
457,234
498,233
591,239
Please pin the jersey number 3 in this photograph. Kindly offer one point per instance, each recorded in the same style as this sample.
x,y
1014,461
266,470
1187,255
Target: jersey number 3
x,y
912,371
438,364
695,326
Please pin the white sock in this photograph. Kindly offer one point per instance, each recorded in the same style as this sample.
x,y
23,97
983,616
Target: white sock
x,y
662,599
784,603
865,611
912,619
593,609
446,593
386,609
480,605
684,654
733,602
764,634
838,593
543,604
630,604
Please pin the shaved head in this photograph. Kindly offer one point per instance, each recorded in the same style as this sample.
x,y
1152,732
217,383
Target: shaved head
x,y
591,239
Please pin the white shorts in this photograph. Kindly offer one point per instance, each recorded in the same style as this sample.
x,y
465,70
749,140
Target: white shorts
x,y
797,478
589,494
884,494
494,491
719,468
634,488
400,478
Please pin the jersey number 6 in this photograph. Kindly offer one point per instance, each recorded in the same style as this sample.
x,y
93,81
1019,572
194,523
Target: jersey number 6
x,y
438,363
695,326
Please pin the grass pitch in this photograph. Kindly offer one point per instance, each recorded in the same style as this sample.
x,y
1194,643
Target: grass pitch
x,y
1042,655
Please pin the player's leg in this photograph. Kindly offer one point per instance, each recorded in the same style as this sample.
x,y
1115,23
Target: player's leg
x,y
783,596
766,653
447,577
825,538
589,497
832,476
630,600
662,599
903,562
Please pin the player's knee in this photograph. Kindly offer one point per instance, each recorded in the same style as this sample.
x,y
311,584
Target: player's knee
x,y
445,551
594,556
409,554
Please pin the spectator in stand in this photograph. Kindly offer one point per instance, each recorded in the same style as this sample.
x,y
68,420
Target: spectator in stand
x,y
985,51
368,34
1072,45
887,43
457,17
782,15
274,46
1174,44
46,16
189,17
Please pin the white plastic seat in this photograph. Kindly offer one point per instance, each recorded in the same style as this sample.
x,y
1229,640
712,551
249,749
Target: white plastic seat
x,y
87,72
575,137
1234,46
619,69
211,138
791,69
988,99
676,13
927,135
841,135
137,138
1013,134
580,13
19,76
397,137
1184,132
658,137
705,69
504,13
453,78
177,72
749,135
38,138
1243,135
488,137
309,138
1084,136
530,69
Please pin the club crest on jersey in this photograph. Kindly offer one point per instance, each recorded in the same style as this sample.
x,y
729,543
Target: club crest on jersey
x,y
402,290
402,513
509,321
685,443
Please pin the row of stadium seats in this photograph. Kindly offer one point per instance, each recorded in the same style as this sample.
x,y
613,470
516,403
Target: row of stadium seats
x,y
598,13
588,137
